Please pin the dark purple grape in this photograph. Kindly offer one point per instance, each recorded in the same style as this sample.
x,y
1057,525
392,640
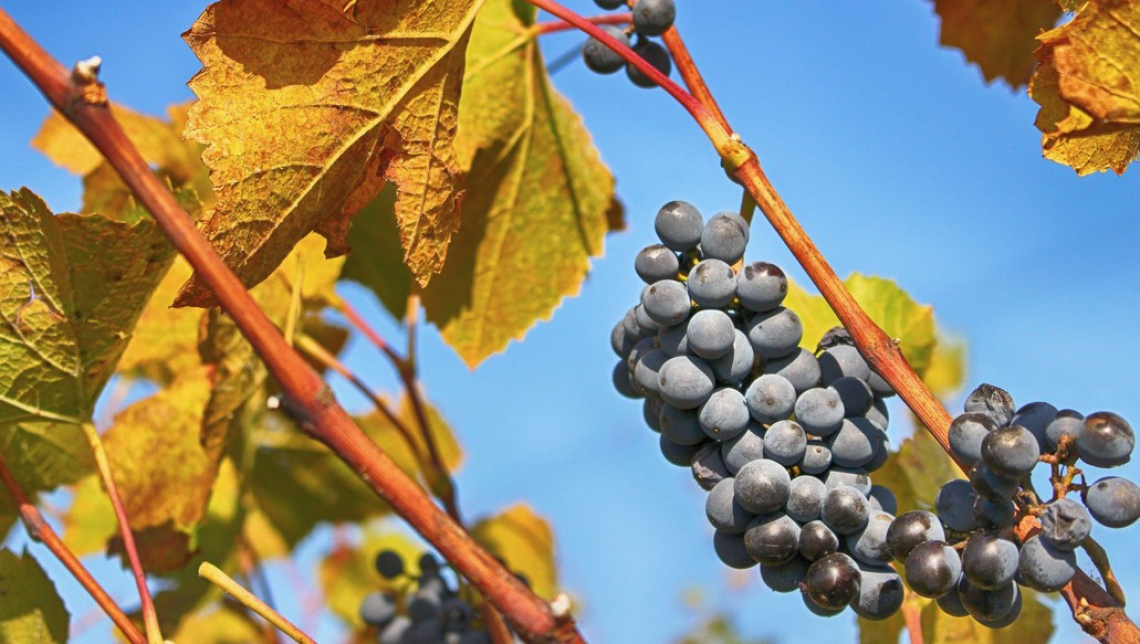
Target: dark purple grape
x,y
600,58
966,435
988,605
389,564
730,550
912,529
1114,501
817,541
845,510
833,582
989,485
881,593
786,577
772,539
1010,451
654,54
993,402
989,561
653,17
1044,567
932,569
1065,524
1105,440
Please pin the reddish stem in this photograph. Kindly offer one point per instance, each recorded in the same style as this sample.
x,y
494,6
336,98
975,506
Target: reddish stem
x,y
43,532
307,398
561,25
687,68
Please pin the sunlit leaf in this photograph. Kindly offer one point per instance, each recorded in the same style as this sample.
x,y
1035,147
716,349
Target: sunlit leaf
x,y
917,471
31,611
376,260
347,574
218,626
1034,626
538,198
41,456
997,35
947,368
524,540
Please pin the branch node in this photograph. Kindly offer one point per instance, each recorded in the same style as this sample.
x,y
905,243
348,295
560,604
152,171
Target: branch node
x,y
85,78
560,605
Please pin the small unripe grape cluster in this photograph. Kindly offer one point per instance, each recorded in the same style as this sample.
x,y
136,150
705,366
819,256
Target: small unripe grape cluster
x,y
430,612
650,18
784,439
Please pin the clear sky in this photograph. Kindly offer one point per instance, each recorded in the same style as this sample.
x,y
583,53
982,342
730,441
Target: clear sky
x,y
895,156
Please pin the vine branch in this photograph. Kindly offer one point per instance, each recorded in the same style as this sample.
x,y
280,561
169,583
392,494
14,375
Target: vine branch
x,y
308,399
561,25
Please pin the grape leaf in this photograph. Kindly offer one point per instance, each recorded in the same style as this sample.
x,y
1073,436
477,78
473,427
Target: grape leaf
x,y
917,471
347,574
1034,626
523,540
165,339
72,289
31,611
538,198
376,261
1088,87
996,35
307,110
222,625
41,456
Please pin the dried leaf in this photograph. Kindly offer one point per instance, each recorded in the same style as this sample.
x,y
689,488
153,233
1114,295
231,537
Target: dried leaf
x,y
997,35
524,540
72,289
538,198
307,109
31,610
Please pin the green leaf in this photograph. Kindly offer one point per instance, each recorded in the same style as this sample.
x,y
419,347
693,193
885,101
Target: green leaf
x,y
538,199
42,456
524,540
72,289
377,259
31,611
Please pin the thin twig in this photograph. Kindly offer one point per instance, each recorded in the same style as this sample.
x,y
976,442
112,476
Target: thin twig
x,y
561,25
150,617
247,599
1099,558
692,76
307,398
41,531
912,616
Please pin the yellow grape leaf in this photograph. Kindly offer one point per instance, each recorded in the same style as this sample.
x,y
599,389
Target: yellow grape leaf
x,y
376,263
306,113
222,625
347,574
165,338
524,540
538,199
1034,626
32,611
947,368
90,520
71,289
1088,86
917,471
997,35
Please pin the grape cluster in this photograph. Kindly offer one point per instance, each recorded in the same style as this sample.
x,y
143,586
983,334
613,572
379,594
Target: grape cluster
x,y
650,18
430,612
783,439
967,556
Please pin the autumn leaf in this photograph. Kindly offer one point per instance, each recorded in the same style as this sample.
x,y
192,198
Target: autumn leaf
x,y
1088,86
307,109
525,542
1034,626
32,611
997,35
538,198
347,574
376,261
71,290
917,471
223,625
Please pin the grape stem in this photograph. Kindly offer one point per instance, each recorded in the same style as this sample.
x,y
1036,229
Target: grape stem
x,y
1094,609
555,26
247,599
40,530
1099,558
82,100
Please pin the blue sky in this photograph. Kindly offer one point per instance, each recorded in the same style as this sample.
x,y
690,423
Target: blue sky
x,y
897,159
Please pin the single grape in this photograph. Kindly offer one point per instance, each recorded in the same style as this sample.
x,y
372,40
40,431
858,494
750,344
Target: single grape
x,y
395,631
1067,423
657,56
425,604
734,366
869,545
599,57
911,530
855,394
623,382
724,511
955,505
805,498
761,286
1009,618
993,515
680,426
428,631
820,411
645,324
762,486
708,466
730,550
647,371
1065,524
776,333
1045,567
1105,440
966,435
855,443
880,386
772,539
932,569
632,329
785,443
879,414
621,343
842,360
653,17
786,577
456,615
834,337
745,448
724,238
643,346
818,610
674,340
951,603
1010,451
666,302
855,477
378,608
657,262
710,333
389,564
770,398
989,485
476,637
881,593
651,412
1036,417
800,367
1114,501
712,283
845,510
833,582
679,455
989,561
685,382
993,402
610,5
817,458
882,452
882,499
725,415
986,604
678,223
817,541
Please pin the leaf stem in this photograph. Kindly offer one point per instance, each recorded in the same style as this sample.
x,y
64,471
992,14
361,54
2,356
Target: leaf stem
x,y
103,464
247,599
1099,558
42,531
553,26
307,398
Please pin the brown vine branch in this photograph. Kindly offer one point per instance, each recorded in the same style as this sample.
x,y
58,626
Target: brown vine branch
x,y
1099,558
1092,607
41,531
561,25
103,464
307,398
